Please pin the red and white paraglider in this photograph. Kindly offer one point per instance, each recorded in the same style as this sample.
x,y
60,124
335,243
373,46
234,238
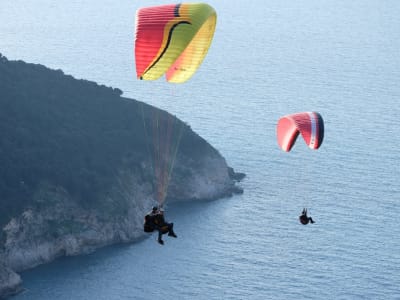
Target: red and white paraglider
x,y
311,127
309,124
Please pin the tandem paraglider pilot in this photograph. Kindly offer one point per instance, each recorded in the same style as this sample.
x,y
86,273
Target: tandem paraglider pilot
x,y
155,220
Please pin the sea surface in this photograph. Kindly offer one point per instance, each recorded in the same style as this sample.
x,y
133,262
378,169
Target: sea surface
x,y
268,58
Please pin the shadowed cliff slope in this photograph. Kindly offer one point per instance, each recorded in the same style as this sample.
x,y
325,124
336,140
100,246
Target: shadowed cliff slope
x,y
71,133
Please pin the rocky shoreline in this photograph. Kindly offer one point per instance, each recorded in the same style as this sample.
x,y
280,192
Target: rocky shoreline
x,y
10,282
63,229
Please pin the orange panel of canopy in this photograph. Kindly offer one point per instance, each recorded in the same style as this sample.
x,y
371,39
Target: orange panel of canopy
x,y
173,40
309,124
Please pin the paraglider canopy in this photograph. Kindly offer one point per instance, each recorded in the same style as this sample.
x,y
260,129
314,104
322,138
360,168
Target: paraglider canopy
x,y
173,40
309,124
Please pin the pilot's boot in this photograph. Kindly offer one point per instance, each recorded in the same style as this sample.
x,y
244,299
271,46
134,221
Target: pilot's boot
x,y
171,233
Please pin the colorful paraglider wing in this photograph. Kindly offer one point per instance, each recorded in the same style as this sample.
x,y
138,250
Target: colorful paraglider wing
x,y
173,40
309,124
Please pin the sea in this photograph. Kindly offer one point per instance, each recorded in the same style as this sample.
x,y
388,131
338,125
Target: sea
x,y
268,58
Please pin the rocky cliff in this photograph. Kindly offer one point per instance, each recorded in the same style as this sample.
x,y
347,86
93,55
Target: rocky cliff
x,y
78,170
10,282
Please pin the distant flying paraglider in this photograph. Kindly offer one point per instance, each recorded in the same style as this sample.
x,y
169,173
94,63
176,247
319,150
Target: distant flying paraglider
x,y
309,124
173,40
311,127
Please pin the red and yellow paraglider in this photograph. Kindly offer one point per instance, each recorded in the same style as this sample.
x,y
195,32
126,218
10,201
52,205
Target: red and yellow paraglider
x,y
173,40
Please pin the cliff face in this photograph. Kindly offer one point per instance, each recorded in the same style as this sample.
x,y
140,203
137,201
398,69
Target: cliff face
x,y
77,173
10,282
62,227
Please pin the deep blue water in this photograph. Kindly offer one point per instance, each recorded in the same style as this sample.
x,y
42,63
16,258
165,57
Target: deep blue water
x,y
268,58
